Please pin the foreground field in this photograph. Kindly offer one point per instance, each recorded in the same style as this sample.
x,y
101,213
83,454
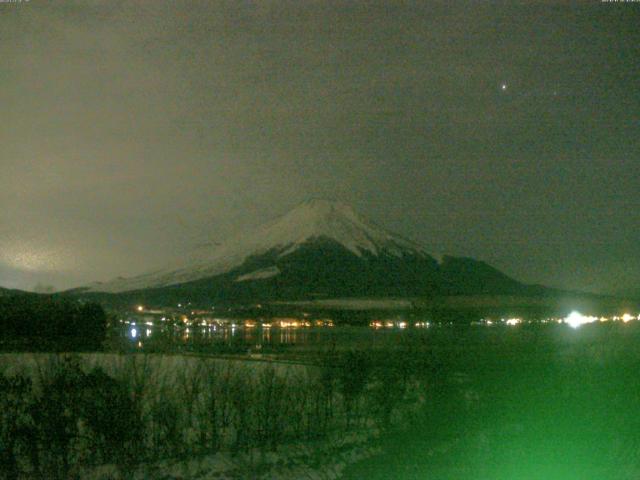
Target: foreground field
x,y
554,404
150,416
527,402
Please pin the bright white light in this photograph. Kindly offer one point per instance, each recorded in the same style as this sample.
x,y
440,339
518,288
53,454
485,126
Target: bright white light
x,y
503,87
134,333
626,318
513,321
140,308
576,319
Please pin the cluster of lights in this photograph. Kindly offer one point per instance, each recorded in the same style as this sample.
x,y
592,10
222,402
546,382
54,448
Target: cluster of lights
x,y
576,319
186,322
512,322
135,333
396,324
380,324
291,323
627,318
203,318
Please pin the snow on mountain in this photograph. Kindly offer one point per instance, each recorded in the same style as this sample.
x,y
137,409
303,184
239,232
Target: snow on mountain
x,y
259,274
310,220
335,221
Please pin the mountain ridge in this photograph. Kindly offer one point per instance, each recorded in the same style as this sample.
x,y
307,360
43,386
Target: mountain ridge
x,y
317,250
312,219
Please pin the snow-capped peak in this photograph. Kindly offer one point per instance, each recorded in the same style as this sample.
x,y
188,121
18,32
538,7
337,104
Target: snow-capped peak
x,y
333,220
310,220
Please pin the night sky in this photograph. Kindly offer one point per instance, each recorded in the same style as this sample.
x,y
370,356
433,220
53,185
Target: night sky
x,y
132,131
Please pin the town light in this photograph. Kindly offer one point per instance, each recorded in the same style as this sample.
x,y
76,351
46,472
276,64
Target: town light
x,y
576,319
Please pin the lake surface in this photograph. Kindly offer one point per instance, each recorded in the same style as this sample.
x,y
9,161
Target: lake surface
x,y
256,339
550,338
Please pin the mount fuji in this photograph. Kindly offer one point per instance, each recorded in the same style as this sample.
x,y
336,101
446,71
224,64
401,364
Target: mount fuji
x,y
320,249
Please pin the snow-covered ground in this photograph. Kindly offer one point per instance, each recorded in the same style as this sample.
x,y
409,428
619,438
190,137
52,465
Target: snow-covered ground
x,y
290,395
162,368
325,460
259,274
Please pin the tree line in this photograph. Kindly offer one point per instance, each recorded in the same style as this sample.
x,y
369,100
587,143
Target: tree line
x,y
65,419
43,322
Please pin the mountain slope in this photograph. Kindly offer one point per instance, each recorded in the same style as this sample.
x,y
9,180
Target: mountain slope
x,y
318,250
318,219
7,292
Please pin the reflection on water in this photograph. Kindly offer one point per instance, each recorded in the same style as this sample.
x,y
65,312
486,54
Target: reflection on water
x,y
256,340
233,334
273,336
255,336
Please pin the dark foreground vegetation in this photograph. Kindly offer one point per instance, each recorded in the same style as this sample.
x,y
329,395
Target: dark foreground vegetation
x,y
46,323
61,420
